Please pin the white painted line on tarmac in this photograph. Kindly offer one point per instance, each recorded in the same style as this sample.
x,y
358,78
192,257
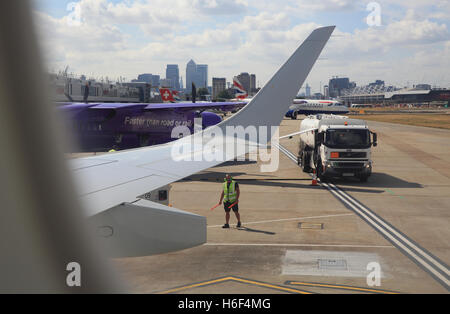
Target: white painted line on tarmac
x,y
400,241
395,232
287,219
303,245
428,262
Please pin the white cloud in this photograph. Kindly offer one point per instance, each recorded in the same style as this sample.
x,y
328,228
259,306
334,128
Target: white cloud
x,y
256,39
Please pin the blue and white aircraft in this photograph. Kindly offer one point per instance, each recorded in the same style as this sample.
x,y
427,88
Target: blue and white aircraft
x,y
315,106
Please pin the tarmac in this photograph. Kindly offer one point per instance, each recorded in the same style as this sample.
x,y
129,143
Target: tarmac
x,y
299,238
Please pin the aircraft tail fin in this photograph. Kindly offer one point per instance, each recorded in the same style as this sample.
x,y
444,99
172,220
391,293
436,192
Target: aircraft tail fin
x,y
241,93
166,95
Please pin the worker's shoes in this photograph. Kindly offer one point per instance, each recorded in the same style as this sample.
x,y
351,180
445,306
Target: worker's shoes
x,y
238,225
226,226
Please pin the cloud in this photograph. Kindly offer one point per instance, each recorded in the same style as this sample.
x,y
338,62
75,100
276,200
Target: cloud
x,y
235,36
220,7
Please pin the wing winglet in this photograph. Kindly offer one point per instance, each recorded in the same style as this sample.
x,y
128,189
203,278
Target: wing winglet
x,y
268,107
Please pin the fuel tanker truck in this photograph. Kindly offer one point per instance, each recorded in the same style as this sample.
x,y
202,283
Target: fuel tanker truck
x,y
336,146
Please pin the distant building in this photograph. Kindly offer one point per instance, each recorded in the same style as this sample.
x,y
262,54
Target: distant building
x,y
197,74
244,78
219,85
422,87
326,92
253,88
173,74
389,95
377,82
336,85
317,96
166,83
149,79
191,74
308,91
202,76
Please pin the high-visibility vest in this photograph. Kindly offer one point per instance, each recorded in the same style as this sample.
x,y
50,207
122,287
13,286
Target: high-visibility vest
x,y
230,194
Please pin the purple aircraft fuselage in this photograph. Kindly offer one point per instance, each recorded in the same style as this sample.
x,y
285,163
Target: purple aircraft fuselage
x,y
97,127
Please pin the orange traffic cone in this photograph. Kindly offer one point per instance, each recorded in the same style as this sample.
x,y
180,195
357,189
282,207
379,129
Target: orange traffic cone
x,y
314,179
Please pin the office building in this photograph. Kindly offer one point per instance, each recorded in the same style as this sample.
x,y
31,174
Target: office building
x,y
336,85
149,79
191,75
219,85
173,74
307,91
197,74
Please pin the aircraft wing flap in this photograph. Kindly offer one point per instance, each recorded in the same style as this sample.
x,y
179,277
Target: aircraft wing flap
x,y
83,163
145,228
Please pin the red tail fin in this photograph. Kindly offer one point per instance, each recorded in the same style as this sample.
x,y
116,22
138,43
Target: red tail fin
x,y
166,95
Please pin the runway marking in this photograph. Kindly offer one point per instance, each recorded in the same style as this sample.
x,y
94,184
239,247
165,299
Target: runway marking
x,y
288,219
302,245
428,262
339,287
235,279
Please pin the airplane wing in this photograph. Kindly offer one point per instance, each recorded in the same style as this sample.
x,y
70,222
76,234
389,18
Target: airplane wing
x,y
74,108
224,106
107,183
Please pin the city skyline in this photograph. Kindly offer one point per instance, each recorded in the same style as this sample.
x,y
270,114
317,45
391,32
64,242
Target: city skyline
x,y
117,38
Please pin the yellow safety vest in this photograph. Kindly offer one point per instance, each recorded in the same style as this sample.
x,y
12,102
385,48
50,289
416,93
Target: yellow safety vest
x,y
230,194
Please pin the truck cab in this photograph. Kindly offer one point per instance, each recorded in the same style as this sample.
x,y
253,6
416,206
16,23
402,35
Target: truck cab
x,y
339,147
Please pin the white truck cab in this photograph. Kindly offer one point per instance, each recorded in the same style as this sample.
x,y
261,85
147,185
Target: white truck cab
x,y
338,147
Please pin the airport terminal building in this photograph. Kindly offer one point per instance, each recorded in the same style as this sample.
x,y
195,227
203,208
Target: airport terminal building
x,y
389,96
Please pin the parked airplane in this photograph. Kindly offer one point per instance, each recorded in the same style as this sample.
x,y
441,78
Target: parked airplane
x,y
312,106
104,126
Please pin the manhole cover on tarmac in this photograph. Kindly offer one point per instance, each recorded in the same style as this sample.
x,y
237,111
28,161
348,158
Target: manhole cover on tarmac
x,y
307,225
332,264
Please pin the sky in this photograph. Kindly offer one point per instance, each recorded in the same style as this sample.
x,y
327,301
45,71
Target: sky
x,y
401,42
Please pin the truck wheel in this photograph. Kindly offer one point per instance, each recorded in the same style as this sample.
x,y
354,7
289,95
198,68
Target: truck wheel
x,y
305,162
294,115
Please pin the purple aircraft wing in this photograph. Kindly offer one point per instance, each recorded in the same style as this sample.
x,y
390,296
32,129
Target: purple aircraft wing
x,y
117,106
225,106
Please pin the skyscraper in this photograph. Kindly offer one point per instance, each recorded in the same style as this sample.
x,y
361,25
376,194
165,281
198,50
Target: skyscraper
x,y
197,74
307,90
191,75
202,76
173,74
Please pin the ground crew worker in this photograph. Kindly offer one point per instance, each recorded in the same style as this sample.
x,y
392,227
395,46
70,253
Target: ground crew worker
x,y
230,195
114,149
